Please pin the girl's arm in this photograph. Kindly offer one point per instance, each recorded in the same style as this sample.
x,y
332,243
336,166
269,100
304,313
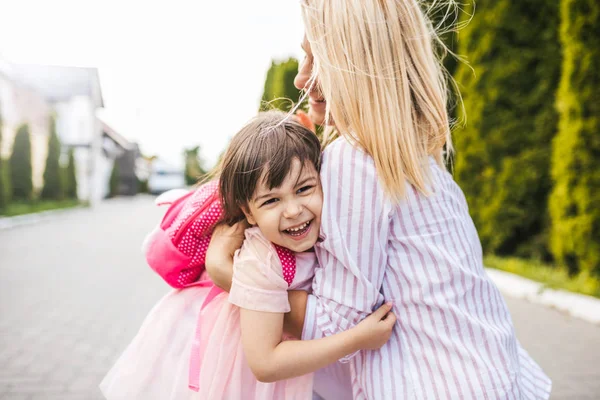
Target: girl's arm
x,y
272,359
219,265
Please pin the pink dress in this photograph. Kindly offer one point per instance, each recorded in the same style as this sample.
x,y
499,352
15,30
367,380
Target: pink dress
x,y
156,364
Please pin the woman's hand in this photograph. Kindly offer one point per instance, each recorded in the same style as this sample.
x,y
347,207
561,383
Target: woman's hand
x,y
227,239
224,242
375,330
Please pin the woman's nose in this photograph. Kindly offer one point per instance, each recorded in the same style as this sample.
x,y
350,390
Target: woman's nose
x,y
303,76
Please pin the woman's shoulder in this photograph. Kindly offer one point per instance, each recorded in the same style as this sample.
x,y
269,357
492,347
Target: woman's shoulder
x,y
344,150
343,143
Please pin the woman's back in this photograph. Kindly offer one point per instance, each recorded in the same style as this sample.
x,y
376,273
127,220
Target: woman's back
x,y
455,324
454,337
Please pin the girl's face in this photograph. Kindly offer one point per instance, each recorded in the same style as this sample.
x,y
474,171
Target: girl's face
x,y
316,101
289,215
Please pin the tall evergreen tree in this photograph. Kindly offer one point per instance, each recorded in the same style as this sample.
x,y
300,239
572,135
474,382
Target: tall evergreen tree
x,y
20,165
113,183
503,153
268,89
575,199
54,183
3,175
194,169
279,91
71,176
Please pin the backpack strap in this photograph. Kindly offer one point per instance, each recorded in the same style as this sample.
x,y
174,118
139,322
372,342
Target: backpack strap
x,y
174,210
170,196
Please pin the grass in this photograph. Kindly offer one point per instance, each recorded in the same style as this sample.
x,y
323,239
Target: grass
x,y
23,207
555,277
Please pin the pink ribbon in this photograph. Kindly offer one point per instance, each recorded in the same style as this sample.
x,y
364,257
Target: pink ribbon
x,y
197,354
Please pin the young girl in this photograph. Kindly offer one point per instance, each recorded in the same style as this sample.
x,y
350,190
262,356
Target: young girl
x,y
270,177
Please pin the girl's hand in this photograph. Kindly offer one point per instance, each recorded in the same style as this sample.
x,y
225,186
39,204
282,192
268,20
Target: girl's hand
x,y
375,330
224,242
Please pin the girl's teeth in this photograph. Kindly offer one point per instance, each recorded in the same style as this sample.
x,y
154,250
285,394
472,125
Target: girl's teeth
x,y
298,228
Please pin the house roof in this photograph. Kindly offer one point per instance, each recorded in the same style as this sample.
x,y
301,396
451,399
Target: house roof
x,y
117,137
57,83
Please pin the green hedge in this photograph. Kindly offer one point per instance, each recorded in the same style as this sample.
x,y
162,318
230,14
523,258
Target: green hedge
x,y
4,189
575,200
503,153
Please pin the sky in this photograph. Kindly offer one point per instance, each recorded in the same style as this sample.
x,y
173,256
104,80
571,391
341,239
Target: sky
x,y
174,74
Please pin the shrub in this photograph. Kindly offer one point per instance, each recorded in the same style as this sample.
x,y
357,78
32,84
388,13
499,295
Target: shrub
x,y
575,198
71,176
4,183
20,165
503,153
54,182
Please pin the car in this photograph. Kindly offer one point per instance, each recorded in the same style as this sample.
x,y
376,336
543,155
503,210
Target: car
x,y
164,176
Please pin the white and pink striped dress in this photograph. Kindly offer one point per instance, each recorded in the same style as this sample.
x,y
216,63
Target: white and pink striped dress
x,y
454,338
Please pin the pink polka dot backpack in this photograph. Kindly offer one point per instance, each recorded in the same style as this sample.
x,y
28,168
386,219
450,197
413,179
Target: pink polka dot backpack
x,y
176,249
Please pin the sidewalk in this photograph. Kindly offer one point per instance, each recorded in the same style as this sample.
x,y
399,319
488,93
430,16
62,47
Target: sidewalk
x,y
74,291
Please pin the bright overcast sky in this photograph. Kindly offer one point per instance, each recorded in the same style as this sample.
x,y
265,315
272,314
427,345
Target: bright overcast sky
x,y
173,74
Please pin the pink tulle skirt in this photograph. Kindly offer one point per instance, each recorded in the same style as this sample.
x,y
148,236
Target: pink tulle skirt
x,y
155,366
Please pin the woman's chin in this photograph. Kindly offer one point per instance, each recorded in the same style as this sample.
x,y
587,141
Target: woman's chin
x,y
316,116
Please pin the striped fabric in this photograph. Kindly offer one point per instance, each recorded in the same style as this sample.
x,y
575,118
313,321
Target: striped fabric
x,y
454,338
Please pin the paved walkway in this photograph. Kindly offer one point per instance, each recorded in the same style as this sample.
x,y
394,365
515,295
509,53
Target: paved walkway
x,y
74,290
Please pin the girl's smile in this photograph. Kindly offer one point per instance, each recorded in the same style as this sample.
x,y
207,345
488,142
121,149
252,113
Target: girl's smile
x,y
299,232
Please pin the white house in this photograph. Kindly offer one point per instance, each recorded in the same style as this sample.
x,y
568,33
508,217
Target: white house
x,y
32,93
21,104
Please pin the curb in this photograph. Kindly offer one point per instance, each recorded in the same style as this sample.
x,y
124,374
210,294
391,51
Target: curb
x,y
579,306
34,218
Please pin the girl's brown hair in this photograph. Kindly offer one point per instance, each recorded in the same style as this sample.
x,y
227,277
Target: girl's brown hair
x,y
263,150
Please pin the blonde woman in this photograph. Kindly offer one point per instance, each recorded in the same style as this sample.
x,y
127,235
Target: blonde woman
x,y
395,226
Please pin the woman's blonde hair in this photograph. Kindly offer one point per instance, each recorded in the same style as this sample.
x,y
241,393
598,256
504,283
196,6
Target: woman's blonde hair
x,y
377,64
